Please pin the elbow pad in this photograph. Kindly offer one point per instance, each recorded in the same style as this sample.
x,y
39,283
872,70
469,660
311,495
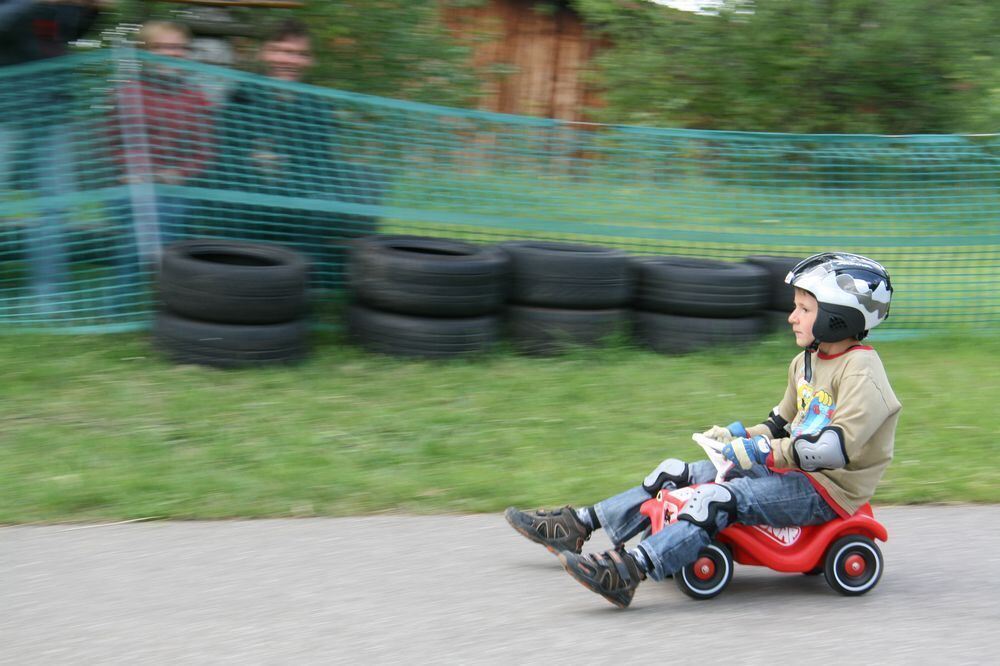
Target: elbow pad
x,y
823,450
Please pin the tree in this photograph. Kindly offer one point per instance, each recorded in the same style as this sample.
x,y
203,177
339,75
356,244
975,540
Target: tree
x,y
885,66
394,48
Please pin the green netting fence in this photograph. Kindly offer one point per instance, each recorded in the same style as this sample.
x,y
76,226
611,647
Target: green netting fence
x,y
106,156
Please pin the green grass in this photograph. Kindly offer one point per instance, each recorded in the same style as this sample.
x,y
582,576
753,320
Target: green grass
x,y
100,427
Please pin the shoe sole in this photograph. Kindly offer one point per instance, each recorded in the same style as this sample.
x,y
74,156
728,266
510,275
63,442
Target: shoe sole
x,y
587,584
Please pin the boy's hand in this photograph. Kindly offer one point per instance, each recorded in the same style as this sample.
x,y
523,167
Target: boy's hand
x,y
727,434
745,452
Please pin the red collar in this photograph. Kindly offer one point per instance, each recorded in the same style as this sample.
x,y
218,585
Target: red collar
x,y
827,357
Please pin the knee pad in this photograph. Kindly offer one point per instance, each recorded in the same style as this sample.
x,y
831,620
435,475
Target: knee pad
x,y
670,470
705,505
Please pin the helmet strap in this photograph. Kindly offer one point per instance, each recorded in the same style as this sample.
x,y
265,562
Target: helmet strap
x,y
808,367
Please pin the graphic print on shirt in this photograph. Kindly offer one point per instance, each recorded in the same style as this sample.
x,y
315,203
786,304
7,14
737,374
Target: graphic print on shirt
x,y
815,410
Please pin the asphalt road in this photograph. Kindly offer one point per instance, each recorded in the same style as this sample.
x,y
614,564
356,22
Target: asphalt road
x,y
468,589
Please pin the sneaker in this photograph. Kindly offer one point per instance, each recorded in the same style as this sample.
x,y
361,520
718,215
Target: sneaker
x,y
613,574
557,530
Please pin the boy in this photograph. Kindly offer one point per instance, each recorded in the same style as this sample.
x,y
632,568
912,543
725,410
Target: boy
x,y
281,139
275,139
819,454
176,119
163,136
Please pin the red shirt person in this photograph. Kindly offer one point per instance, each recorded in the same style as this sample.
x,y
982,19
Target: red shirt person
x,y
164,130
174,116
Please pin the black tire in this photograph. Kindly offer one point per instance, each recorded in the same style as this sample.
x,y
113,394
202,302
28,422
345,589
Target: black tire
x,y
779,294
229,345
853,565
776,321
229,282
429,337
428,276
699,287
534,330
707,576
566,275
674,334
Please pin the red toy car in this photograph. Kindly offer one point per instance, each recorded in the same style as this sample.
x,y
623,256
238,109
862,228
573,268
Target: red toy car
x,y
843,549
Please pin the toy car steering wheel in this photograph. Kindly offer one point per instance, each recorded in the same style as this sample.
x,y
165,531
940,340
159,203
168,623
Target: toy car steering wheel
x,y
713,449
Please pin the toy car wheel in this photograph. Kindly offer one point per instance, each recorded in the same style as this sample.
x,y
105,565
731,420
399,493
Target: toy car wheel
x,y
708,575
853,565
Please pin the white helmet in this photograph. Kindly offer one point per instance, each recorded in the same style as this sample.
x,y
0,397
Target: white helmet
x,y
853,293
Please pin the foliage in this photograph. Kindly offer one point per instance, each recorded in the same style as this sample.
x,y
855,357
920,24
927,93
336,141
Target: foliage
x,y
393,48
889,66
893,66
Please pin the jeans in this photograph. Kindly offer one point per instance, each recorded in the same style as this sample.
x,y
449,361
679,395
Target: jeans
x,y
762,497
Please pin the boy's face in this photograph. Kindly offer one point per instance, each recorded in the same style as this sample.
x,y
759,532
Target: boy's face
x,y
287,59
803,317
168,43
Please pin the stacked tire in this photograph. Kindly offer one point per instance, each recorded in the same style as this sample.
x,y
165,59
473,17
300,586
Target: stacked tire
x,y
565,295
425,297
780,295
231,304
685,304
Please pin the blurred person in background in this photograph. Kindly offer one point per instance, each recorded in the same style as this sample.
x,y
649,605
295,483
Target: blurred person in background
x,y
163,126
819,454
175,117
178,119
279,140
34,126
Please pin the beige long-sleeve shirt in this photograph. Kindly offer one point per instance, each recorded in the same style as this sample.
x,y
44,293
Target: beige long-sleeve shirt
x,y
850,392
